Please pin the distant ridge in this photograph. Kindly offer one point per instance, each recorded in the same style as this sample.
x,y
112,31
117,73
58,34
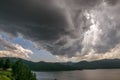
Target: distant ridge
x,y
66,66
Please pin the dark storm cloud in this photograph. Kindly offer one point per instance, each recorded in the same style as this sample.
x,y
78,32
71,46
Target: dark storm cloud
x,y
56,25
27,16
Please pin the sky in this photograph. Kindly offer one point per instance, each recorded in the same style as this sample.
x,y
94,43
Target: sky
x,y
60,30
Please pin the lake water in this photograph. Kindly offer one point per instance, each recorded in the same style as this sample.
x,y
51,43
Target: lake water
x,y
110,74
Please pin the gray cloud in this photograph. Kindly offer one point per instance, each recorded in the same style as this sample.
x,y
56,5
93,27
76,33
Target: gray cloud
x,y
112,2
64,27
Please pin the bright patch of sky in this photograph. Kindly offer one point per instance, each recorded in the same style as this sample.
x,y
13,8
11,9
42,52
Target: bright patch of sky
x,y
38,55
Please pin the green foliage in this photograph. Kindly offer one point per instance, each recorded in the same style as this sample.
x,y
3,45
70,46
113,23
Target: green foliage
x,y
6,75
7,64
1,63
19,70
22,72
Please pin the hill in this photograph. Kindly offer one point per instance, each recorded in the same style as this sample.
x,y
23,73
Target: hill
x,y
42,66
48,66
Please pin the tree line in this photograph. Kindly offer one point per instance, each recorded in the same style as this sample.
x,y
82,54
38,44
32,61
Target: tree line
x,y
19,70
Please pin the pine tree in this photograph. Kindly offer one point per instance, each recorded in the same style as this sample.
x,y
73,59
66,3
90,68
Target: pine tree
x,y
22,72
1,63
7,64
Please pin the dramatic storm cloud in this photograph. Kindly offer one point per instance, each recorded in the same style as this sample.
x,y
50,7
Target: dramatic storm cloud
x,y
68,28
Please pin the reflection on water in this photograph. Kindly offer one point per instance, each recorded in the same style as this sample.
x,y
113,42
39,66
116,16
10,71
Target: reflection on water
x,y
111,74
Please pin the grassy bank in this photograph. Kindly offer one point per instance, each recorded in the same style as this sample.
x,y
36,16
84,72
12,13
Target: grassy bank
x,y
6,75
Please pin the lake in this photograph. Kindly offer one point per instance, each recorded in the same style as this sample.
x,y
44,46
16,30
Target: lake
x,y
105,74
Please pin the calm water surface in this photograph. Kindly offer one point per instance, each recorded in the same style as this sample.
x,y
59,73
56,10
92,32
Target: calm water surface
x,y
110,74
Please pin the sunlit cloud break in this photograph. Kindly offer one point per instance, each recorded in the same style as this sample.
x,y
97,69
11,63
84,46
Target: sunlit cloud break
x,y
13,50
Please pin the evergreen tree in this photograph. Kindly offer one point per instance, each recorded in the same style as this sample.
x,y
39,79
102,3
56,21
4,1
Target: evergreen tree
x,y
22,72
1,63
7,64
